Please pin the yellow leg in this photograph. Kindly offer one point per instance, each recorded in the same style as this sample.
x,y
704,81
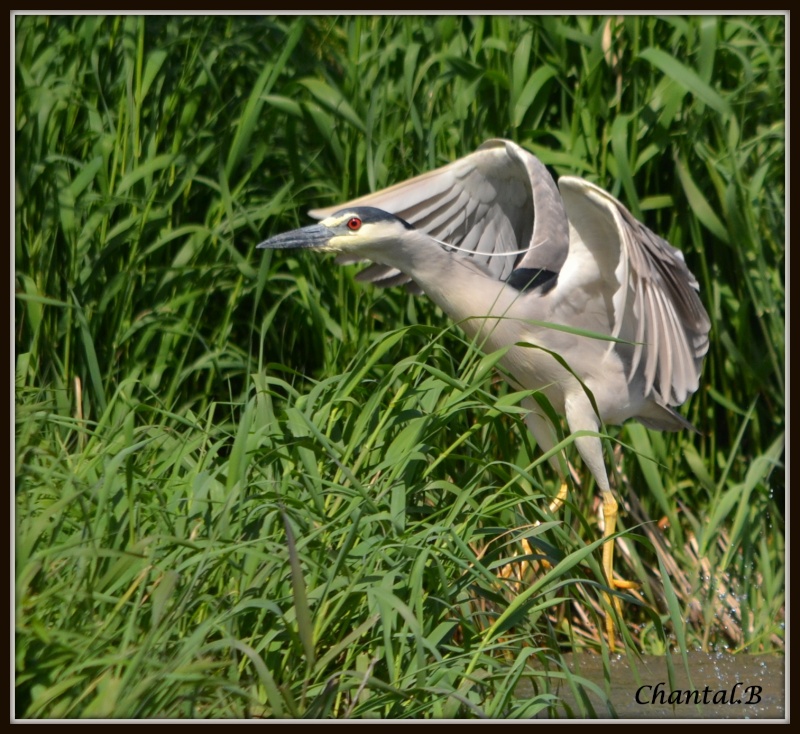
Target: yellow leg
x,y
610,512
610,516
561,497
554,506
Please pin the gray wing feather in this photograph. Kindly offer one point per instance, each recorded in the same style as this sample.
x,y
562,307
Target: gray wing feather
x,y
656,305
496,200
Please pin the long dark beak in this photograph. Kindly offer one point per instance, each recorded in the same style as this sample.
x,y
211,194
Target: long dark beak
x,y
314,236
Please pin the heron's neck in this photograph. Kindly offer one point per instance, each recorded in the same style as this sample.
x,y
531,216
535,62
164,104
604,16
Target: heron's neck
x,y
415,254
458,287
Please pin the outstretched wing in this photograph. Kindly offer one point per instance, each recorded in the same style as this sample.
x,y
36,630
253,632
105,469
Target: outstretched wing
x,y
499,199
654,300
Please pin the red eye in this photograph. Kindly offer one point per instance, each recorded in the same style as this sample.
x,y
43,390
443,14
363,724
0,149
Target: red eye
x,y
354,224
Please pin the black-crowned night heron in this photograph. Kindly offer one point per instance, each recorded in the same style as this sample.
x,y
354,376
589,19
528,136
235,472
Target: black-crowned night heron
x,y
490,235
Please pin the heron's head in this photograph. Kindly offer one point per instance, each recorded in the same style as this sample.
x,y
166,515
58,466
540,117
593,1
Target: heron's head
x,y
348,230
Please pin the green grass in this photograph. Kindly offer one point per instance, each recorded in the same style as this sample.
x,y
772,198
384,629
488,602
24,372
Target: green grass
x,y
247,485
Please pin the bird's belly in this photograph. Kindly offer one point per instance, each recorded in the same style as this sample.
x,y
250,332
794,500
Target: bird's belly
x,y
501,318
550,361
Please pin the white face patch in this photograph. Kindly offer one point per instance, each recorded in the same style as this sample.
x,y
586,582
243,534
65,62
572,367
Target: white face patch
x,y
351,241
